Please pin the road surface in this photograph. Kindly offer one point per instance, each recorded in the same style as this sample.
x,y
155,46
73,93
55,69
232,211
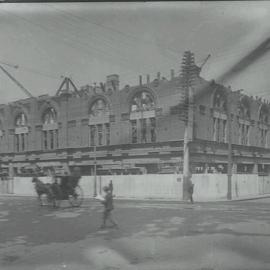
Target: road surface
x,y
152,236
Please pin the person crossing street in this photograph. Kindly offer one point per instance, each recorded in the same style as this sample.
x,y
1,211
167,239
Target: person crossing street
x,y
190,191
108,208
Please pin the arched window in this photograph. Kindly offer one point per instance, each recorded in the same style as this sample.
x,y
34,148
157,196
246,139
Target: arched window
x,y
142,101
244,120
244,108
263,124
99,108
142,117
49,116
20,120
219,116
21,133
264,114
219,100
1,136
50,129
1,131
99,123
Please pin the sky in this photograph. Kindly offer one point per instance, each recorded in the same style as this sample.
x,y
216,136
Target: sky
x,y
88,41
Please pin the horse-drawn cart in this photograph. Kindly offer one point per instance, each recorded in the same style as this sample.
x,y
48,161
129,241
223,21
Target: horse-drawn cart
x,y
63,187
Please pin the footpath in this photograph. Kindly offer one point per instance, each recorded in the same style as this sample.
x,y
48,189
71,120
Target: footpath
x,y
160,200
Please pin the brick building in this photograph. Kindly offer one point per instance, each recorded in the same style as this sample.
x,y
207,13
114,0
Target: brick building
x,y
134,130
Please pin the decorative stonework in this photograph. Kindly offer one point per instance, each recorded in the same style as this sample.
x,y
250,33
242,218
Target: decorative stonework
x,y
45,105
244,107
21,120
264,114
142,101
17,110
99,108
49,116
219,100
2,113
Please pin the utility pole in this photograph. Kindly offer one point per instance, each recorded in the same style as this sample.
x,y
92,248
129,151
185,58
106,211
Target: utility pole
x,y
229,136
95,170
188,74
15,81
204,62
95,160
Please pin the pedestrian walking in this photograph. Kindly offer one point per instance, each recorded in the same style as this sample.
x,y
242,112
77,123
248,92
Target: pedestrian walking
x,y
111,186
108,208
190,191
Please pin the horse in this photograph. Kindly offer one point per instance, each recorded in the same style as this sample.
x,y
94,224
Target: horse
x,y
42,188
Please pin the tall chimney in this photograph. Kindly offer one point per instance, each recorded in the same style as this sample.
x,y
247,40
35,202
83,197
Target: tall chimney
x,y
140,79
112,82
148,78
172,74
158,75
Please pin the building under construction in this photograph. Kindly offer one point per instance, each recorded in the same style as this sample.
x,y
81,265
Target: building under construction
x,y
138,129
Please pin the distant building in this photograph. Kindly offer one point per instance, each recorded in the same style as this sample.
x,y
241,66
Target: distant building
x,y
136,129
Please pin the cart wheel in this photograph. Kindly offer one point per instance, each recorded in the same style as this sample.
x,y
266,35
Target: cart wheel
x,y
52,201
56,203
49,200
41,199
76,198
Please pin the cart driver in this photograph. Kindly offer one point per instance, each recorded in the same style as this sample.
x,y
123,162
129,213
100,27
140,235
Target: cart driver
x,y
75,177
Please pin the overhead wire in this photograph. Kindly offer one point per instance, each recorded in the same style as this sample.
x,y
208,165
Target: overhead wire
x,y
112,29
72,37
87,20
225,54
68,41
68,18
77,36
35,71
45,29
